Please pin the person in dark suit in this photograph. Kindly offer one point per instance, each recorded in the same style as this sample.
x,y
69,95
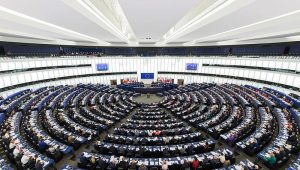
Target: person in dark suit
x,y
143,133
206,162
113,165
123,164
101,163
141,151
185,165
122,151
113,150
166,152
84,160
190,149
176,151
188,138
144,141
31,162
38,165
280,153
215,162
127,141
129,153
293,139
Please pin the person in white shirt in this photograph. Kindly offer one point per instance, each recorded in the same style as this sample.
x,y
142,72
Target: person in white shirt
x,y
238,167
166,140
16,151
164,165
6,136
51,149
150,133
223,160
11,145
24,159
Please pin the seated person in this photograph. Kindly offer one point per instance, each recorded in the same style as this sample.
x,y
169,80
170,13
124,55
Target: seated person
x,y
39,165
83,159
133,165
71,139
113,164
54,152
12,145
143,167
270,159
31,162
42,145
185,165
122,164
166,152
113,150
24,159
122,151
17,152
182,151
101,163
93,161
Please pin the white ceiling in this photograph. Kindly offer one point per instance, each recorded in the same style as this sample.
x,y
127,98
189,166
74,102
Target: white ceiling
x,y
166,22
153,18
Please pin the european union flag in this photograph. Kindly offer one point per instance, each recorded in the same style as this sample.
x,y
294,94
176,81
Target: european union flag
x,y
147,75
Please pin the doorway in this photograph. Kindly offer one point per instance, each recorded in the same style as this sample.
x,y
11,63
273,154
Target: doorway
x,y
113,82
180,81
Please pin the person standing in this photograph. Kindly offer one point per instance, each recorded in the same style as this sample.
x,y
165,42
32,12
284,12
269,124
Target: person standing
x,y
195,164
164,165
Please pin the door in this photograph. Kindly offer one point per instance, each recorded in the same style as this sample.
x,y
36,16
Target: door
x,y
113,82
180,81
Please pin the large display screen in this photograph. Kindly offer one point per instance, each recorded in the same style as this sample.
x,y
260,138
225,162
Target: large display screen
x,y
102,67
191,66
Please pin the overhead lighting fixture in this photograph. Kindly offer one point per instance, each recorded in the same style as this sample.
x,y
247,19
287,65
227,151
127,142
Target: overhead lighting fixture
x,y
23,34
293,38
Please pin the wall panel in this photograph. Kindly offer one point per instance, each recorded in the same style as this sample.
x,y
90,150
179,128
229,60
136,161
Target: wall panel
x,y
151,64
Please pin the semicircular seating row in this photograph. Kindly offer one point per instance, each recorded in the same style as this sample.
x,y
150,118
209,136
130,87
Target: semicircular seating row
x,y
245,117
39,127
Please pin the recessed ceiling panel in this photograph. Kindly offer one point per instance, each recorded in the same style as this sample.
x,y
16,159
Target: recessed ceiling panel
x,y
255,12
153,18
59,13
